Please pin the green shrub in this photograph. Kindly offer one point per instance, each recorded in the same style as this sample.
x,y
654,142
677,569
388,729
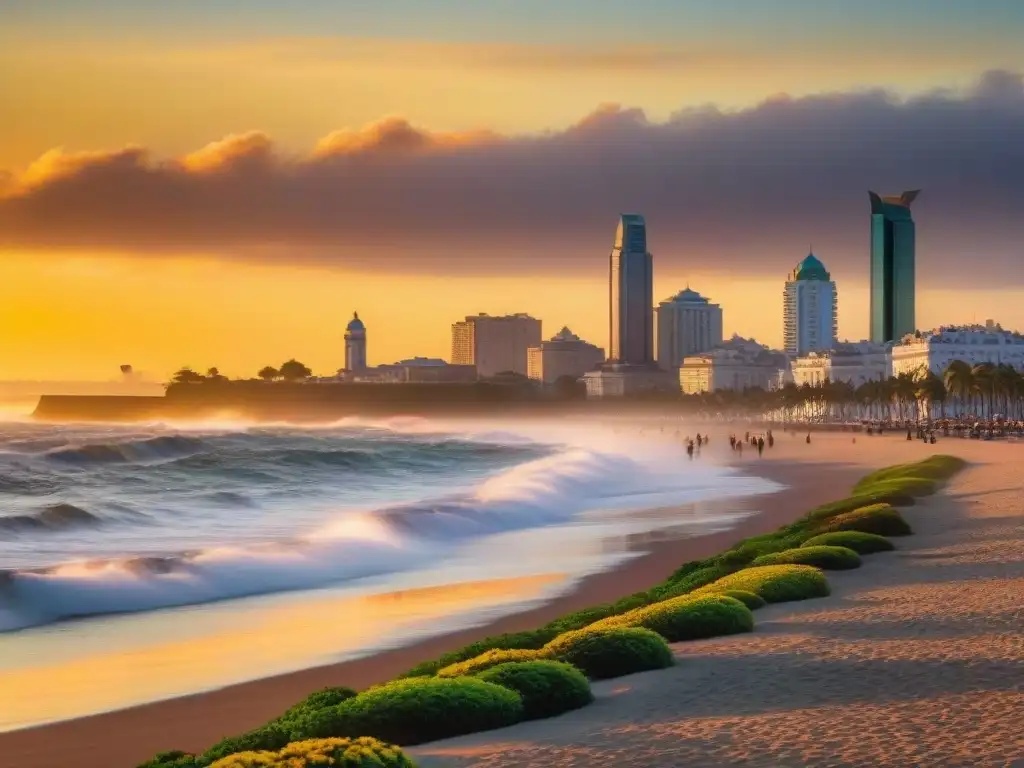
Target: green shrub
x,y
880,519
326,697
269,737
418,709
936,468
530,640
688,618
912,486
547,688
828,511
605,653
173,759
338,753
690,582
487,660
860,542
749,599
775,583
829,558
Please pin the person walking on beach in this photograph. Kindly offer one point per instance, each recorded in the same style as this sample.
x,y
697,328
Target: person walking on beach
x,y
760,446
739,447
689,449
771,439
808,438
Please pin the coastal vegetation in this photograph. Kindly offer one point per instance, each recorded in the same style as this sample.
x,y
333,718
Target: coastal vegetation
x,y
824,556
880,519
547,688
860,542
601,653
687,618
501,680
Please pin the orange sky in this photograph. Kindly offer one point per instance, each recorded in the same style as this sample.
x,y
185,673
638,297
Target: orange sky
x,y
83,318
101,86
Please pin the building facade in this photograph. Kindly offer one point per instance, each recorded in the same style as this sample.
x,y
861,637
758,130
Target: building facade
x,y
852,363
495,344
934,350
736,364
893,255
809,308
688,324
564,354
631,294
355,345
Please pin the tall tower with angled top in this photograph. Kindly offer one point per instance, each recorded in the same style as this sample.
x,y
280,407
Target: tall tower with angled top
x,y
892,266
631,294
355,344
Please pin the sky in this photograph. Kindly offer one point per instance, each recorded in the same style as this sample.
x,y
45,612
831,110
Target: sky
x,y
223,182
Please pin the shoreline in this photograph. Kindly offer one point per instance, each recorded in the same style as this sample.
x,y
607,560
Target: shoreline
x,y
193,722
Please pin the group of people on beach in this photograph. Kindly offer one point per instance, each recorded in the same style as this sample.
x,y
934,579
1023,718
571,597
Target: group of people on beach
x,y
757,442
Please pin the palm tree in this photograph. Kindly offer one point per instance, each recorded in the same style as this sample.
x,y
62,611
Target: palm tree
x,y
985,386
959,380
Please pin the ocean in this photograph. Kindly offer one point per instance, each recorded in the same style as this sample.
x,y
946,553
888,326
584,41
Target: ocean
x,y
102,522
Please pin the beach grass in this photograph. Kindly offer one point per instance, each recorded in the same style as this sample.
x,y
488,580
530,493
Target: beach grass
x,y
547,688
337,753
611,652
824,556
495,681
687,618
860,542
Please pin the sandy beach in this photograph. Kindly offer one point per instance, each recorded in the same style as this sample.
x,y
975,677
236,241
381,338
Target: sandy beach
x,y
915,659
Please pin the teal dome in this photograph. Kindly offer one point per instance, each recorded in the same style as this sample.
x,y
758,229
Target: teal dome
x,y
355,324
810,269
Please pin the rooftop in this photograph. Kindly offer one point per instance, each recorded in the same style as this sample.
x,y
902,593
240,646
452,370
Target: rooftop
x,y
687,296
355,324
810,268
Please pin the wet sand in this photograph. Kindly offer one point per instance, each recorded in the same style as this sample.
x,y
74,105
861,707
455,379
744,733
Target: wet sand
x,y
917,658
123,738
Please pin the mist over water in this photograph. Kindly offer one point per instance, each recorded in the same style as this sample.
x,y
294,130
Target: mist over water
x,y
104,519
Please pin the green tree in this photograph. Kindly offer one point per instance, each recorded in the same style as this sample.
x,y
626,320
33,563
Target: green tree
x,y
187,376
293,370
269,373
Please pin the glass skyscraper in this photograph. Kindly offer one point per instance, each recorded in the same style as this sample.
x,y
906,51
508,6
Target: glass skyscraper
x,y
631,295
892,266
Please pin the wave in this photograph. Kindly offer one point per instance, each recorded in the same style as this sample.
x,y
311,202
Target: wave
x,y
152,449
389,539
56,517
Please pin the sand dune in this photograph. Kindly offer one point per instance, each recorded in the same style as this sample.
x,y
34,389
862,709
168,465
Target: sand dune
x,y
917,659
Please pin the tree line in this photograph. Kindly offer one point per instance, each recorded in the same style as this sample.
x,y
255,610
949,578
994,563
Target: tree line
x,y
983,390
290,370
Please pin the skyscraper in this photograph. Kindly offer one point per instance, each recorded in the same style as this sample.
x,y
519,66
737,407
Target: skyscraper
x,y
688,324
892,266
631,294
809,308
355,344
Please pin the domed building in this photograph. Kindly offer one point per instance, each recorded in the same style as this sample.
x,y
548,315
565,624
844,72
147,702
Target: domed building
x,y
688,324
355,344
809,308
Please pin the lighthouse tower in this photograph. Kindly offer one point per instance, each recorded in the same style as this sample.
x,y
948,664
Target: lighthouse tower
x,y
355,345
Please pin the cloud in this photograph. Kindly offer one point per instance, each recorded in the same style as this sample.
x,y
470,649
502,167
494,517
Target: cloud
x,y
743,192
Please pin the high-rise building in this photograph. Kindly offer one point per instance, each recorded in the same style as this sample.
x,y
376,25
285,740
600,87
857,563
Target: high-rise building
x,y
495,344
355,344
892,266
631,294
688,324
809,308
564,354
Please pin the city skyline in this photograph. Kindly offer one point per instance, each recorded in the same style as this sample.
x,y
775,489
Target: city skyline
x,y
159,224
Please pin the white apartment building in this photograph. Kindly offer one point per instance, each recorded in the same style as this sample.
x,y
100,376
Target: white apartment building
x,y
688,324
564,354
495,344
852,363
616,380
736,364
934,350
809,308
